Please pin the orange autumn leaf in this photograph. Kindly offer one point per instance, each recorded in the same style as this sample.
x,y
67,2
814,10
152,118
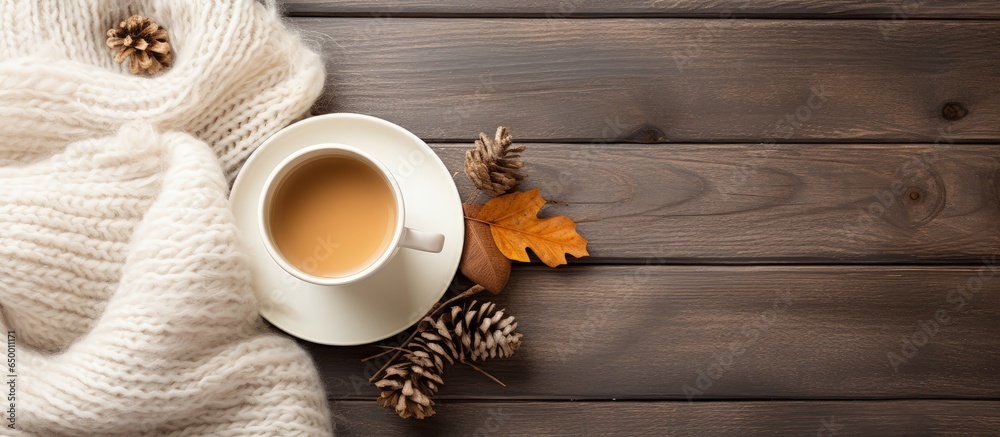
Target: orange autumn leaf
x,y
515,225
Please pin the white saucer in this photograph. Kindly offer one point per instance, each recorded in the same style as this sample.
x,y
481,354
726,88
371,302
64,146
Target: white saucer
x,y
393,298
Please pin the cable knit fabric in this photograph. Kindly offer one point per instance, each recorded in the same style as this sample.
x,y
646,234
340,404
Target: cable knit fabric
x,y
238,74
131,303
121,272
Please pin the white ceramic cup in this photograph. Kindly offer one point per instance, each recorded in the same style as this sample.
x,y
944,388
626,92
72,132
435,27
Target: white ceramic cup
x,y
402,236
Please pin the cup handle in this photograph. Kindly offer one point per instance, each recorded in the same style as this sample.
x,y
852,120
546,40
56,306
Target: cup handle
x,y
422,241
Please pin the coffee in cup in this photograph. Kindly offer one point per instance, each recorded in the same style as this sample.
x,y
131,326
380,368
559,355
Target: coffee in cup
x,y
332,214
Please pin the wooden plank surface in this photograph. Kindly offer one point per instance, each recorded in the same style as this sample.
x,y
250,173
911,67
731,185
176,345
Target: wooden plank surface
x,y
683,203
778,147
871,418
892,10
700,333
660,80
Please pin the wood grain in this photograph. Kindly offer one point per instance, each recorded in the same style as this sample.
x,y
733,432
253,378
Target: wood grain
x,y
703,333
893,418
666,80
843,349
898,10
683,203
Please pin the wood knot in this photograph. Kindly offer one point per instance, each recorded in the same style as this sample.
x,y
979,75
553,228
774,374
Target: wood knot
x,y
646,134
953,111
918,203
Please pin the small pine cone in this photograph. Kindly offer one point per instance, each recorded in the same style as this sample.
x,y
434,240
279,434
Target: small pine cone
x,y
469,333
484,332
493,165
144,42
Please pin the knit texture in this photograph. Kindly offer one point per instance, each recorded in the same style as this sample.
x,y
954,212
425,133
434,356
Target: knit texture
x,y
238,74
130,300
121,271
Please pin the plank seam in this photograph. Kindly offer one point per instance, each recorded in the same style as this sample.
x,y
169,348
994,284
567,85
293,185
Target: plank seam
x,y
681,400
737,142
315,13
654,262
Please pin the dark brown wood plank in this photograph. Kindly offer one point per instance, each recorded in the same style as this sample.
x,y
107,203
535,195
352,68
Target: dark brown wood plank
x,y
892,10
666,80
702,333
684,203
893,418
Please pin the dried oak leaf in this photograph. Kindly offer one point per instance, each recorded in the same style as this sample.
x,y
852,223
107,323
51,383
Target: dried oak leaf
x,y
482,262
515,226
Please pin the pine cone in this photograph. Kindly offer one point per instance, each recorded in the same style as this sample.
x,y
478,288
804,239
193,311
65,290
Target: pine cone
x,y
492,164
463,334
144,42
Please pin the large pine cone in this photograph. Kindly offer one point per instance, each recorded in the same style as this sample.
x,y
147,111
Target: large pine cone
x,y
470,333
493,165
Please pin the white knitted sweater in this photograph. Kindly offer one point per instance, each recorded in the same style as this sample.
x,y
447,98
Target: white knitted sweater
x,y
238,74
121,276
